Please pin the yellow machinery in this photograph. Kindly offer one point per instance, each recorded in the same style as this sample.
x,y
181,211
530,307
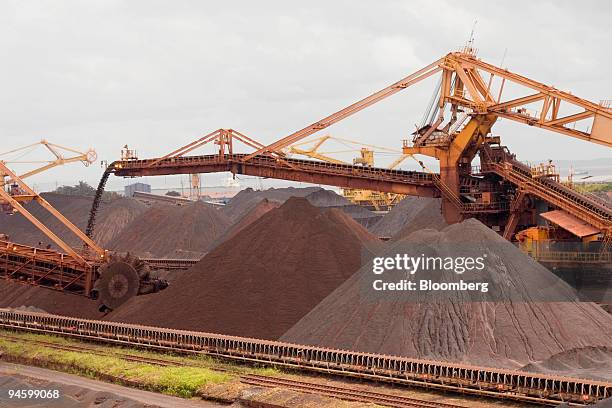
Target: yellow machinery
x,y
59,153
556,247
373,200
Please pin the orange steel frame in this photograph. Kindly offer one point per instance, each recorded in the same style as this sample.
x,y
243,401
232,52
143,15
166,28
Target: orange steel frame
x,y
16,200
467,85
58,151
307,171
480,99
463,86
43,267
81,265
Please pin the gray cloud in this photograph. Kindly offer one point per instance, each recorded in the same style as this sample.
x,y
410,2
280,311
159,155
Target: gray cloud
x,y
157,74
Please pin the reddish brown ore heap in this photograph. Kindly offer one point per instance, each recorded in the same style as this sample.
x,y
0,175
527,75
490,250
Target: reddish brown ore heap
x,y
113,217
326,198
582,362
247,199
126,225
15,295
410,215
170,231
262,281
256,213
519,328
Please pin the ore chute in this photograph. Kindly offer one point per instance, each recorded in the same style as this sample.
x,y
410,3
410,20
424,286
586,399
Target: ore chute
x,y
91,222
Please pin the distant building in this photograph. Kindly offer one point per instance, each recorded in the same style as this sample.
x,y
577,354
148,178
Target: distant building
x,y
132,188
148,198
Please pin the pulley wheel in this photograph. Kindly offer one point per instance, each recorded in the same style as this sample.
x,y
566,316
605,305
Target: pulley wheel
x,y
118,282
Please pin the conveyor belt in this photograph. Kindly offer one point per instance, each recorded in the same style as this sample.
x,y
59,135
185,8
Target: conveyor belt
x,y
577,204
499,383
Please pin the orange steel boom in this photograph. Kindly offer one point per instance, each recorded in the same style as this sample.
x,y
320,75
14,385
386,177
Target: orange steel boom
x,y
502,192
480,99
350,110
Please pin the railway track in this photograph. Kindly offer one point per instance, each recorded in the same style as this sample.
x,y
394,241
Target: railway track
x,y
344,393
522,386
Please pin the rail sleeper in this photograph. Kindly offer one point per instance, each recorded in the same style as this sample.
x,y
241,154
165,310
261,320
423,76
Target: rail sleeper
x,y
492,382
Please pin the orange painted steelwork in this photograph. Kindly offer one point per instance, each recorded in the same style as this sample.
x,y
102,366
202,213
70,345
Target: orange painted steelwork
x,y
473,92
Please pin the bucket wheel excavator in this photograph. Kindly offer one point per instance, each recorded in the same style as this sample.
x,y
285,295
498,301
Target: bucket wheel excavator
x,y
90,271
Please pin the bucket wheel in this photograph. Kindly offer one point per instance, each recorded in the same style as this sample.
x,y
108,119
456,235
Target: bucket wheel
x,y
120,279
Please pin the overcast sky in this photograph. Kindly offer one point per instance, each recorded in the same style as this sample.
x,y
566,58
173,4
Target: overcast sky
x,y
158,74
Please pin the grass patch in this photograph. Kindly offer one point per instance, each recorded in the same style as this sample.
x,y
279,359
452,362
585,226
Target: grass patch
x,y
593,187
172,380
192,360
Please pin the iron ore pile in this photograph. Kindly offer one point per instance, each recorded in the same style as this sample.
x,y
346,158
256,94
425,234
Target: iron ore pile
x,y
16,295
247,199
527,315
263,280
409,215
296,265
172,231
112,218
247,219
